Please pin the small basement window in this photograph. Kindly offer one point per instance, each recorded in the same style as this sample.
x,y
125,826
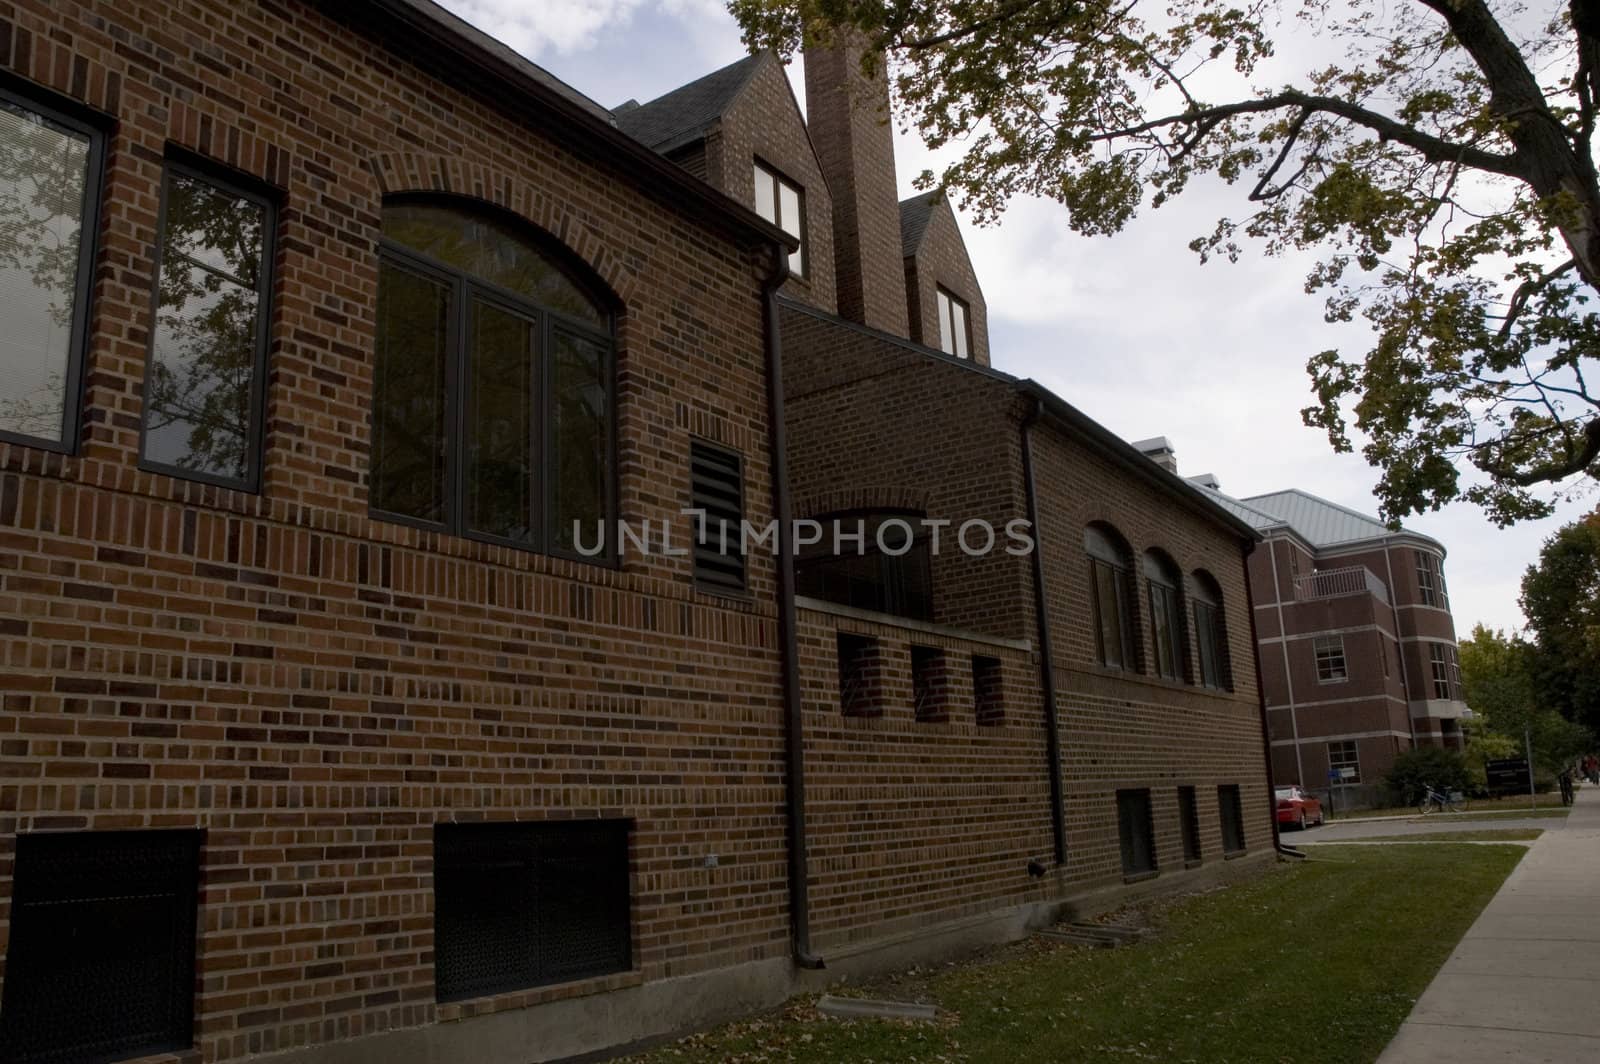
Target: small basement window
x,y
988,690
1189,819
1137,831
518,905
101,959
1232,816
860,676
930,684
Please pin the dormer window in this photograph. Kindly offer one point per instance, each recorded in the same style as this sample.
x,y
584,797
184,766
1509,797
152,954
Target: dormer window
x,y
783,203
955,328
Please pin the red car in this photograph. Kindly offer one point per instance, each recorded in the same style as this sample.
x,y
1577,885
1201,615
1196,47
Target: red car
x,y
1297,807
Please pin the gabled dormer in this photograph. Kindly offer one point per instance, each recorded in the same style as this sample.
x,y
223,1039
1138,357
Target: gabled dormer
x,y
740,129
944,302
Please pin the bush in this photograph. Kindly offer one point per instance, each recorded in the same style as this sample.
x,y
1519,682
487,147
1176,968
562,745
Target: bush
x,y
1427,766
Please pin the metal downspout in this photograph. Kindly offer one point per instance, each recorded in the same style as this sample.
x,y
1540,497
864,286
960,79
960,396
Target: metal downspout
x,y
794,724
1261,694
1288,673
1047,681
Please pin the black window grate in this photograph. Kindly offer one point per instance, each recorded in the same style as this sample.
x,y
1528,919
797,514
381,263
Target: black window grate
x,y
101,960
522,905
717,489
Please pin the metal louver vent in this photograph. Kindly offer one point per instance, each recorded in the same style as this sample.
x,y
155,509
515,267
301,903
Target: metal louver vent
x,y
101,959
717,488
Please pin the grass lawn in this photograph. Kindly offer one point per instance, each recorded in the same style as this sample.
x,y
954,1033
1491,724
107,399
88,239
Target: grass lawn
x,y
1313,962
1470,835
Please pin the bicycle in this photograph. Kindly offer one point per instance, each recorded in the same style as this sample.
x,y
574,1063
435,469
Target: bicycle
x,y
1444,802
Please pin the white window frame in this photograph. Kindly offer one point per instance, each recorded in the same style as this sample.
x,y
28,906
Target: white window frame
x,y
1323,649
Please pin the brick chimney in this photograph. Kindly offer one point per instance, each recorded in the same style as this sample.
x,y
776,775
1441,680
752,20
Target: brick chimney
x,y
848,116
1159,450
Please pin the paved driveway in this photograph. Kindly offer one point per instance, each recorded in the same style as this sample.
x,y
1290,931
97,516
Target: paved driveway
x,y
1399,827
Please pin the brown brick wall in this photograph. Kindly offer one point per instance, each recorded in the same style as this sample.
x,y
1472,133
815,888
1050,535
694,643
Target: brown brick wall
x,y
1122,730
913,822
876,423
955,452
942,261
849,121
316,688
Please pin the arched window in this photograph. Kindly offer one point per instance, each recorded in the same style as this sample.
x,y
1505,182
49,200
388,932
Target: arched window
x,y
1167,636
871,559
1110,597
493,392
1211,633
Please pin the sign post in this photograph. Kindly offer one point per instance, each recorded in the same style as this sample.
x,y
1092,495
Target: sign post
x,y
1333,791
1527,745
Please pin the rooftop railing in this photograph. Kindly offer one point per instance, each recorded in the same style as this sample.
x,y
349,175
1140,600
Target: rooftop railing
x,y
1331,583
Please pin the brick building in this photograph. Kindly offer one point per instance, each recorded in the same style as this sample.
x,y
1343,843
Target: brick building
x,y
1357,646
327,735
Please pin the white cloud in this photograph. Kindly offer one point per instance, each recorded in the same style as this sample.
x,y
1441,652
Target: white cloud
x,y
549,26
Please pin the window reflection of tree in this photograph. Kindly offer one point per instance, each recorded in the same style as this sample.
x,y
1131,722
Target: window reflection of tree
x,y
203,362
43,175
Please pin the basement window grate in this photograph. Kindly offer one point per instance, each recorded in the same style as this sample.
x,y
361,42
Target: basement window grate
x,y
717,490
100,965
518,905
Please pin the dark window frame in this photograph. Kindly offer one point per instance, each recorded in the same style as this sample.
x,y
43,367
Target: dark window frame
x,y
1349,752
244,187
1164,596
1439,670
74,117
463,288
1230,813
741,589
897,575
1136,833
1213,666
1120,574
780,179
1334,661
965,334
1189,825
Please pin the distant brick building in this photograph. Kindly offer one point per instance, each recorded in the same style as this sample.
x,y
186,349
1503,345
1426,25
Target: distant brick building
x,y
1358,650
327,735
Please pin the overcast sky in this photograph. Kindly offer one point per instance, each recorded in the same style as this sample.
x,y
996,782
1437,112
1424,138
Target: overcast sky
x,y
1131,329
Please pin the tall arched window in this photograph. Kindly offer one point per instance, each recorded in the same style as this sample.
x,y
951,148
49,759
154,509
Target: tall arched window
x,y
1211,632
1110,597
1167,636
493,393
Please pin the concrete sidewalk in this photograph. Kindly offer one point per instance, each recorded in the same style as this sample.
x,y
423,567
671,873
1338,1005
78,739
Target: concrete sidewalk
x,y
1524,984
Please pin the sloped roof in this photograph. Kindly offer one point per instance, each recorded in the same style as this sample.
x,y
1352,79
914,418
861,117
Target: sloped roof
x,y
1320,522
687,112
914,215
1259,520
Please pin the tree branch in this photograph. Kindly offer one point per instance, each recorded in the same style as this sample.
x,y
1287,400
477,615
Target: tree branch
x,y
1434,149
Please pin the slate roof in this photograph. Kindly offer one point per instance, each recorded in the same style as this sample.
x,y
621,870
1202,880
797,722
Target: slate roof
x,y
683,115
914,215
